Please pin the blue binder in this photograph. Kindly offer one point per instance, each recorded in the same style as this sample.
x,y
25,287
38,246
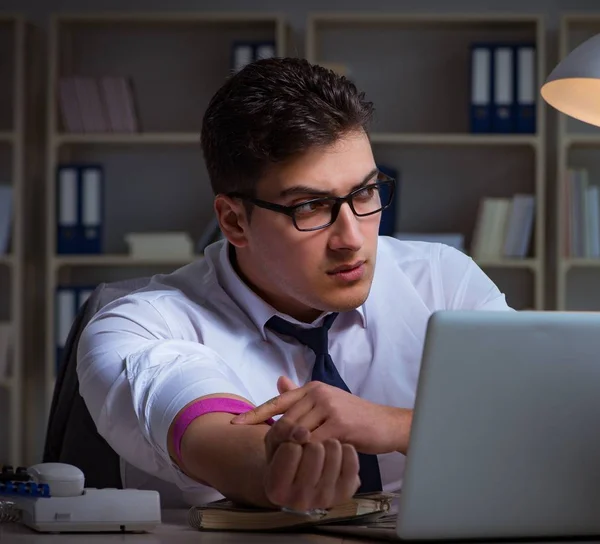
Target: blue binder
x,y
389,216
503,89
244,52
481,73
65,311
69,299
67,209
525,88
91,191
79,208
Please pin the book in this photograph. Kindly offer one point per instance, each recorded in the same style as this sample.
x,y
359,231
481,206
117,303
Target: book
x,y
225,515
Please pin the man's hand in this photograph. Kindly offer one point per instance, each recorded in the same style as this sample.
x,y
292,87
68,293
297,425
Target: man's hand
x,y
302,474
330,412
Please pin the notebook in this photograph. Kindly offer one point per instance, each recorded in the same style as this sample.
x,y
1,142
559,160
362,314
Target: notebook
x,y
225,515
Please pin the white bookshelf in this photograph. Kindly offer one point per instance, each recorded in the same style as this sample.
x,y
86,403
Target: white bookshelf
x,y
155,179
578,146
415,68
13,92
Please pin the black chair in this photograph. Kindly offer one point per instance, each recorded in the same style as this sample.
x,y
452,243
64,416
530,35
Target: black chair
x,y
71,435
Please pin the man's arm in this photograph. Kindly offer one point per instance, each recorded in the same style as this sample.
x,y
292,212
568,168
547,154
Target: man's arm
x,y
230,458
267,466
136,379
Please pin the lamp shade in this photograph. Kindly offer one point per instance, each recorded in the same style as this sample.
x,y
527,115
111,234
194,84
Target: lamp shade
x,y
573,87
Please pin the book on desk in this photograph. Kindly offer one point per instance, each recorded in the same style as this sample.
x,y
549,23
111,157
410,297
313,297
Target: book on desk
x,y
224,515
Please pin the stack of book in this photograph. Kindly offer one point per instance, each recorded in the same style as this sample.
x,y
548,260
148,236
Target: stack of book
x,y
103,104
581,204
503,228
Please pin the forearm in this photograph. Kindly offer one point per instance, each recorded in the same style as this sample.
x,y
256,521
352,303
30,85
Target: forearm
x,y
400,423
229,458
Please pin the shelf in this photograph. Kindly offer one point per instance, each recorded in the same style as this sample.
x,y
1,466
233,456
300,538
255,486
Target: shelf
x,y
509,263
566,264
192,138
583,140
170,17
7,137
422,18
585,18
168,138
115,260
454,139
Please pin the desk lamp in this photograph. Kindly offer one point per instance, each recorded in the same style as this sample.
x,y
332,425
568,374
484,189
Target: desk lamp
x,y
573,87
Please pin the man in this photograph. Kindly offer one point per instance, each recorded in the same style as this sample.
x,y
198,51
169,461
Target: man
x,y
299,200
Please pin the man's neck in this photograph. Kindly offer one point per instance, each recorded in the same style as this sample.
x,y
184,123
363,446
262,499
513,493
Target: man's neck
x,y
308,317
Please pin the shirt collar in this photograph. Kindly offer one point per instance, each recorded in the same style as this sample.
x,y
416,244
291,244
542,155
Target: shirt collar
x,y
253,305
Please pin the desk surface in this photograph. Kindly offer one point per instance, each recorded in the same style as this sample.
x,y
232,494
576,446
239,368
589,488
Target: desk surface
x,y
174,529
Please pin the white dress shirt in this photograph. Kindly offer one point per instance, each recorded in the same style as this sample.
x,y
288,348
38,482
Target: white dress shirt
x,y
201,330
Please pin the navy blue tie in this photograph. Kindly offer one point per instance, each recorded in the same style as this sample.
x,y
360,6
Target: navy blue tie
x,y
325,371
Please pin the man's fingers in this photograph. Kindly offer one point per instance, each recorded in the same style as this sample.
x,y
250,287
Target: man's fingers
x,y
284,384
275,406
310,467
349,481
283,431
299,410
281,473
332,468
320,432
316,422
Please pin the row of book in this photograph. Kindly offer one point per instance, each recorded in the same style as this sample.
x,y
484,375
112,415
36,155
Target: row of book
x,y
103,104
108,104
503,228
69,300
6,217
581,206
79,208
503,88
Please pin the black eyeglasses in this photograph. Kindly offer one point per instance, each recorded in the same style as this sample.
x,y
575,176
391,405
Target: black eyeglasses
x,y
319,213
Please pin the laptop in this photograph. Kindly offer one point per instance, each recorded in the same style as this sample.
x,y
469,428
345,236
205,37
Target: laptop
x,y
505,441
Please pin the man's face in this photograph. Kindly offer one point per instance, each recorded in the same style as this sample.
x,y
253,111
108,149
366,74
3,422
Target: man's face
x,y
304,274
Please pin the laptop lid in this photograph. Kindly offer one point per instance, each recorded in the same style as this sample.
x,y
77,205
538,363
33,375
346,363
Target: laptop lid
x,y
506,432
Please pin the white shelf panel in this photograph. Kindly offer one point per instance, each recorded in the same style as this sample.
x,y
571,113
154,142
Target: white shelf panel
x,y
115,260
454,139
140,138
7,137
532,264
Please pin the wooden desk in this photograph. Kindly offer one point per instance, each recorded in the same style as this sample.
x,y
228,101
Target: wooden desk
x,y
173,530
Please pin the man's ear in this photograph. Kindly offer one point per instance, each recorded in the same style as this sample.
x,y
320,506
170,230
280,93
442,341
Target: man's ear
x,y
233,219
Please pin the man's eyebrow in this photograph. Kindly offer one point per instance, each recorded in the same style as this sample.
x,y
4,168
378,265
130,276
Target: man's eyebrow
x,y
307,190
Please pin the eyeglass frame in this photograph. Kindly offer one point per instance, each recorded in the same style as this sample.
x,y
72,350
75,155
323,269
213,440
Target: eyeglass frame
x,y
290,211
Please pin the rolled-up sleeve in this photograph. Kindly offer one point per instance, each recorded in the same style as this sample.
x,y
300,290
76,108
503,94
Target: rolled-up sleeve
x,y
135,376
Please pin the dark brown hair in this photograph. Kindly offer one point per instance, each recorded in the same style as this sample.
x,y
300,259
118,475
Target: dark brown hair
x,y
272,110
